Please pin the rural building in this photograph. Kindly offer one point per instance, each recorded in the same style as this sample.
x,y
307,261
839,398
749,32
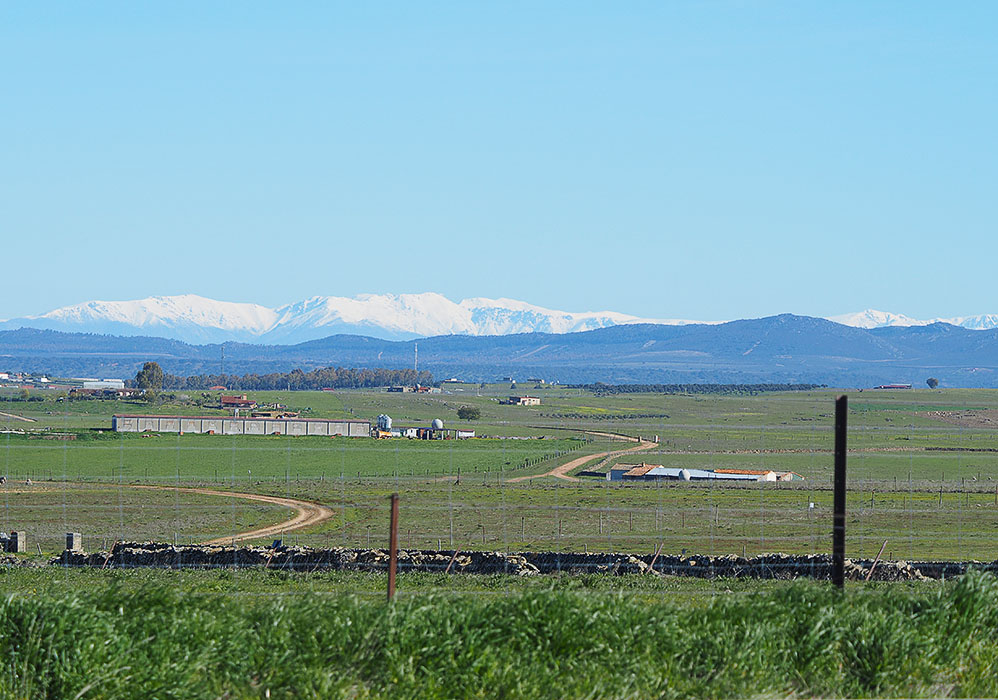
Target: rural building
x,y
238,402
104,384
893,386
524,401
121,393
651,472
418,389
228,425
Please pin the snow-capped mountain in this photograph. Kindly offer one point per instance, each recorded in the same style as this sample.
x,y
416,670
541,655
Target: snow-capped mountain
x,y
872,318
980,322
196,319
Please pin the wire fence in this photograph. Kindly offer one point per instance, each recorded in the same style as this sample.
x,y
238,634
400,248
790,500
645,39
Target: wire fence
x,y
922,499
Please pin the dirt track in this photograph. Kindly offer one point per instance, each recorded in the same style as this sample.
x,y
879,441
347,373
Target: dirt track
x,y
21,418
562,471
307,513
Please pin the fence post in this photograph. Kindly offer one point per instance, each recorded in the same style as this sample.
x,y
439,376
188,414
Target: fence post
x,y
839,517
393,546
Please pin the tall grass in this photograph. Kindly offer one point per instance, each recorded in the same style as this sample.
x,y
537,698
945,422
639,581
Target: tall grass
x,y
804,639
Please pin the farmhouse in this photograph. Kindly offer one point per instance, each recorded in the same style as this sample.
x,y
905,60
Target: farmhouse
x,y
524,401
238,402
228,425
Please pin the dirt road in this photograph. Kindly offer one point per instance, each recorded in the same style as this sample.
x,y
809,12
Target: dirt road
x,y
11,415
307,513
562,471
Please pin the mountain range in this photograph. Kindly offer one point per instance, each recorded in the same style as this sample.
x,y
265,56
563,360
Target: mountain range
x,y
785,348
194,319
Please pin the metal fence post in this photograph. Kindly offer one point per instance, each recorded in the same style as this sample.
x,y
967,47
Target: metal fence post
x,y
393,546
839,521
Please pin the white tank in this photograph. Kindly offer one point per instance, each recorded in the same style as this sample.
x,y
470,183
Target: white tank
x,y
384,422
684,474
437,424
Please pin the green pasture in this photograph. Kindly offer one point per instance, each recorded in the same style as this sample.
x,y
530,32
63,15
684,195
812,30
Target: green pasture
x,y
730,421
104,513
242,459
926,486
481,513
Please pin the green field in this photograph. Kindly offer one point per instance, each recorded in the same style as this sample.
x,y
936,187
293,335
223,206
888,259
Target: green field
x,y
125,634
927,486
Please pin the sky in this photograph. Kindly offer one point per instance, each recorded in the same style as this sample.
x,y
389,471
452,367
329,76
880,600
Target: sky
x,y
708,161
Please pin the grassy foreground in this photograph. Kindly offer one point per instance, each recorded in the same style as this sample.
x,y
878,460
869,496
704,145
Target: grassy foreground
x,y
802,639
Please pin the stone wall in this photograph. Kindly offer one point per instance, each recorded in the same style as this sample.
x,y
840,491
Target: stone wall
x,y
293,558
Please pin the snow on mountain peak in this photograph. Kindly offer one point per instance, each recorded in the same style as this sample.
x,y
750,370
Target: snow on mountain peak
x,y
167,311
392,316
882,319
871,318
193,318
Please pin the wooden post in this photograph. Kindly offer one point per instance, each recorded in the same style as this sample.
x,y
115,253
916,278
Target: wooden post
x,y
393,546
658,550
839,517
874,565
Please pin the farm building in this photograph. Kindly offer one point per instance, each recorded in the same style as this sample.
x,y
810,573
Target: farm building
x,y
651,472
226,425
238,402
524,401
104,384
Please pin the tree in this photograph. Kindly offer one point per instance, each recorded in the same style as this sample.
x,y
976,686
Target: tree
x,y
150,377
932,382
469,413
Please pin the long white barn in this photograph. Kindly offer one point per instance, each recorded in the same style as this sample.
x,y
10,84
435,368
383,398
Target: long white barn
x,y
226,425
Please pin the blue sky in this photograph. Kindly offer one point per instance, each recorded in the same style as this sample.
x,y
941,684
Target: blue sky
x,y
707,160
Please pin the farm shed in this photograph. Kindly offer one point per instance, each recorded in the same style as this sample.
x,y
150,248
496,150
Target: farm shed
x,y
650,472
226,425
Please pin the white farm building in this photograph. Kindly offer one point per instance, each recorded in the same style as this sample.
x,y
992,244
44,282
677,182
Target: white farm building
x,y
227,425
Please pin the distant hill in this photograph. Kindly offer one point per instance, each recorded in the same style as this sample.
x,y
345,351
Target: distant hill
x,y
785,348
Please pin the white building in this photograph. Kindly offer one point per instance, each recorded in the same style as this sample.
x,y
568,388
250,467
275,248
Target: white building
x,y
104,384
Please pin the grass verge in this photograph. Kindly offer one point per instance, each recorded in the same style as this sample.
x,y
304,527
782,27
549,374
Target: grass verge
x,y
802,639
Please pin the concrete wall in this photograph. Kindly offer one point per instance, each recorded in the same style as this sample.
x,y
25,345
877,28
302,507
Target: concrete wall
x,y
239,426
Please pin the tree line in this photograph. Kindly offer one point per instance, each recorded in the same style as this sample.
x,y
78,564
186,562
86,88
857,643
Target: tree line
x,y
601,389
295,380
